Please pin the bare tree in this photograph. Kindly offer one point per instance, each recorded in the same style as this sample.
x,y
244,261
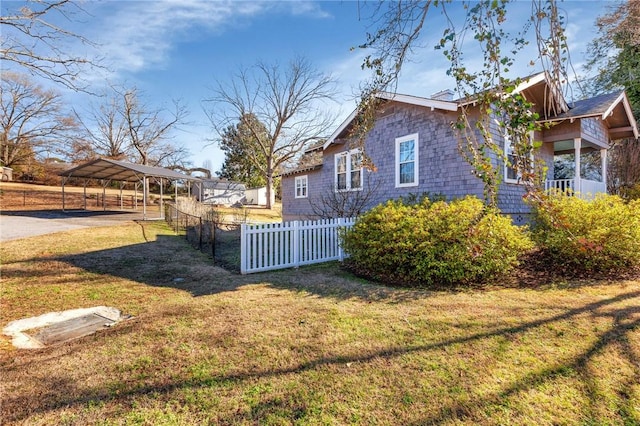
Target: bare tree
x,y
287,101
624,169
148,129
332,203
31,119
32,41
105,131
123,127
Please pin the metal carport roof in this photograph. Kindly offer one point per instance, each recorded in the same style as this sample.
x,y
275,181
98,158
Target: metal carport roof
x,y
105,168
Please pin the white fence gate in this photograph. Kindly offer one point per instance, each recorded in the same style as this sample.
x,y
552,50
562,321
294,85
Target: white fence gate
x,y
271,246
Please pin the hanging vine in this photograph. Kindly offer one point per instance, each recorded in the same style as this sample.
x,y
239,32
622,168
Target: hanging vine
x,y
492,109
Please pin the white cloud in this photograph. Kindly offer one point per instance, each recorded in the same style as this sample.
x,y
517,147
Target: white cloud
x,y
137,35
308,8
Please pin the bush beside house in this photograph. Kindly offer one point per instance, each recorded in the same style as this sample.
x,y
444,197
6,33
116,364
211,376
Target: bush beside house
x,y
434,243
592,235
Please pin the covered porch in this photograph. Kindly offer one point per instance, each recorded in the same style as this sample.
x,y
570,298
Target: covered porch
x,y
579,168
580,139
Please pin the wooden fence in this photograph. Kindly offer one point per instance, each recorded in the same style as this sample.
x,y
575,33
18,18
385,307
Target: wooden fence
x,y
271,246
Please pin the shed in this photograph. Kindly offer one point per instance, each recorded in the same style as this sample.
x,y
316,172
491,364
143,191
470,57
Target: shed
x,y
220,192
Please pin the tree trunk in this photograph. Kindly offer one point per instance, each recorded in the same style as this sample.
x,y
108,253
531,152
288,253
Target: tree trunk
x,y
145,186
269,188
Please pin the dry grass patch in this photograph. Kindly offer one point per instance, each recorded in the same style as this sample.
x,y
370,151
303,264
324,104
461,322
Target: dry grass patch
x,y
307,346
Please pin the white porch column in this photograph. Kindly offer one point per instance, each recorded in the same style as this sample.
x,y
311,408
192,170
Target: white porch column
x,y
603,165
577,146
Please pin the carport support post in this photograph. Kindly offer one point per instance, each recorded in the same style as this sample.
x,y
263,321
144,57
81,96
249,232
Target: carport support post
x,y
161,201
104,197
135,195
84,199
64,179
144,198
121,203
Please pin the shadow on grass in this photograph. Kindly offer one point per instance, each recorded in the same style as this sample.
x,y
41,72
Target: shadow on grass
x,y
170,261
623,321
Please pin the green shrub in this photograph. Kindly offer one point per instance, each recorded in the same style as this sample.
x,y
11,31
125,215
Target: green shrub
x,y
434,243
591,235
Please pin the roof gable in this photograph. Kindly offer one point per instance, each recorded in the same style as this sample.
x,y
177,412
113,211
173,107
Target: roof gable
x,y
396,97
613,108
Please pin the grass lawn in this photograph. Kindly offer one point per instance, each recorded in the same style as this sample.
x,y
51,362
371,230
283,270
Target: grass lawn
x,y
307,346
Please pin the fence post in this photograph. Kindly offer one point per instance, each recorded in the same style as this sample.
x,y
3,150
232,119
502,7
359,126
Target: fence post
x,y
213,226
243,249
296,243
340,251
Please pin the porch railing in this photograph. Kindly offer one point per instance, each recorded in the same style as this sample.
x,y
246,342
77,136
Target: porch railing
x,y
584,188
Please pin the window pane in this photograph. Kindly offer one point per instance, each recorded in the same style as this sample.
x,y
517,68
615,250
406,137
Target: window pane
x,y
356,161
301,187
341,165
355,180
407,173
511,172
406,151
342,181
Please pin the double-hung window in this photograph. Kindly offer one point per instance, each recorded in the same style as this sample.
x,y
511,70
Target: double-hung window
x,y
511,175
407,161
301,186
348,170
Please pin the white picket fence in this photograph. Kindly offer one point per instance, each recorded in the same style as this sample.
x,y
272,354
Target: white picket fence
x,y
271,246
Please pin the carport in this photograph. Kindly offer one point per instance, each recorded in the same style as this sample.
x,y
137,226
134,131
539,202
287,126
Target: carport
x,y
107,170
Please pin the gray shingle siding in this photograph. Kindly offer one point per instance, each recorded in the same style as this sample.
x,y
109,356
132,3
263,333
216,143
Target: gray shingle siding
x,y
442,170
300,208
593,130
510,194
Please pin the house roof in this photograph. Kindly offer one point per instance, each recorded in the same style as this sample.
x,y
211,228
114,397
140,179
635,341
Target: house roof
x,y
310,160
303,169
534,87
106,168
613,108
406,99
537,90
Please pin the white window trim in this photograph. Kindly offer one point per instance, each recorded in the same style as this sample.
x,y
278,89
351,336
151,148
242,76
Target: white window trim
x,y
507,144
348,155
304,184
416,157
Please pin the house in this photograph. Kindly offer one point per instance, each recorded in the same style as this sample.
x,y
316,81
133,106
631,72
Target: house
x,y
219,192
415,151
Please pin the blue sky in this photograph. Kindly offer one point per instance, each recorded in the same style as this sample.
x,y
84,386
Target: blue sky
x,y
179,49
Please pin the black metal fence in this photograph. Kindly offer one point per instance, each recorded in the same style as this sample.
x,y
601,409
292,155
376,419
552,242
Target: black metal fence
x,y
211,235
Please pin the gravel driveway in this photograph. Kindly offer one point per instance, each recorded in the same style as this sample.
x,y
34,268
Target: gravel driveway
x,y
23,224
